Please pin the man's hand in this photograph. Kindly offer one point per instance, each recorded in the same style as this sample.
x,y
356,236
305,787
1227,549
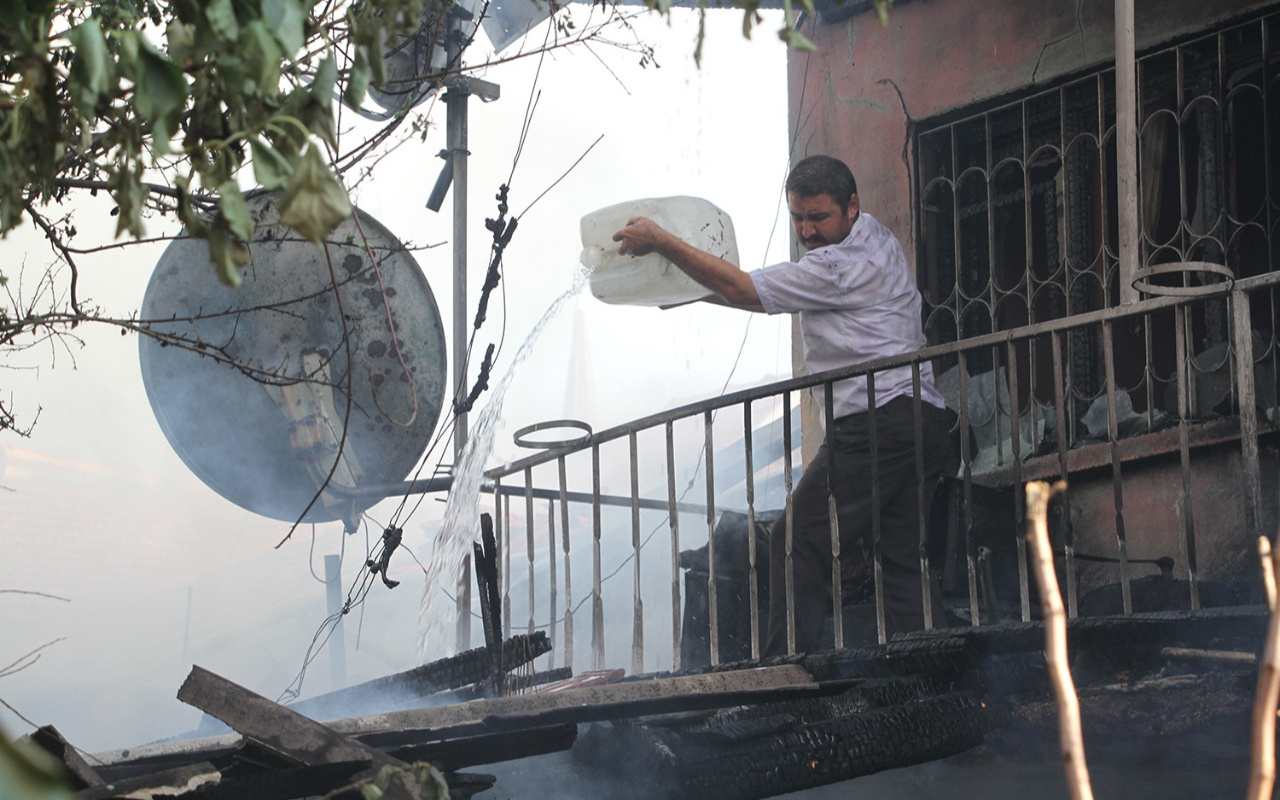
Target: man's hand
x,y
642,236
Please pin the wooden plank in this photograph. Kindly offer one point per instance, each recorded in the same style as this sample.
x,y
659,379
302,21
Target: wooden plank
x,y
493,748
169,783
50,740
272,726
406,688
589,704
282,784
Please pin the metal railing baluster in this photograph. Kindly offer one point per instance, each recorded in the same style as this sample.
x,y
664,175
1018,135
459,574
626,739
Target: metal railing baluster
x,y
637,602
528,541
833,520
1113,434
1064,442
753,589
1242,344
713,604
674,523
553,598
966,463
877,554
597,599
568,582
789,513
1019,500
924,505
1187,539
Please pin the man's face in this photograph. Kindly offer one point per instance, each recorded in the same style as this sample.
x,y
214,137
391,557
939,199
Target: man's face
x,y
819,220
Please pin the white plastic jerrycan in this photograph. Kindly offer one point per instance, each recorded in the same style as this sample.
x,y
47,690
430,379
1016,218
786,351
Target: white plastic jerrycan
x,y
653,280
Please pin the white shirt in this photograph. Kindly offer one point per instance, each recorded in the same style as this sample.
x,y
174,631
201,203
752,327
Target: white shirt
x,y
857,302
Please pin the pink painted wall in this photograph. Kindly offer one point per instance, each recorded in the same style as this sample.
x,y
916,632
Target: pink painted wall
x,y
854,97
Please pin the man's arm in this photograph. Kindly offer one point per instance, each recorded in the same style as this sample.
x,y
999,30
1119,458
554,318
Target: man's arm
x,y
732,286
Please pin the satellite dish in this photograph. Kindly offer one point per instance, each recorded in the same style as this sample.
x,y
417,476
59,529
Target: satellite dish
x,y
260,414
417,65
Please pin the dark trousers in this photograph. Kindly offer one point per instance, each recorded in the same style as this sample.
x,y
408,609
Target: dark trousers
x,y
849,444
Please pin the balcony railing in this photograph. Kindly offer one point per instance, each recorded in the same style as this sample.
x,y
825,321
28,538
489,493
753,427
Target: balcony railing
x,y
591,534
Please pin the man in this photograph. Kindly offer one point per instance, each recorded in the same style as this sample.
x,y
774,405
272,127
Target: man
x,y
857,302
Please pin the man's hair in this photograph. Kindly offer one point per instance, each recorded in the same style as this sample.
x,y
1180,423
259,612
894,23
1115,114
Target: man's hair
x,y
817,175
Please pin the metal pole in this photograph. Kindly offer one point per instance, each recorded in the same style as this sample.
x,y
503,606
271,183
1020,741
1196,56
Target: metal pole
x,y
1127,150
337,642
456,123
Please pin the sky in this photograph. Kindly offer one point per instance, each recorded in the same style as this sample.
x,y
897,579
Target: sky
x,y
119,569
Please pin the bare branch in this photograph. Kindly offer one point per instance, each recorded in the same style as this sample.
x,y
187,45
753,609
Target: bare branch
x,y
1055,635
35,594
27,660
1262,756
17,713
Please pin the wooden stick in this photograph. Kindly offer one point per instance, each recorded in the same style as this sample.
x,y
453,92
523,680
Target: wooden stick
x,y
1268,571
1055,635
1262,758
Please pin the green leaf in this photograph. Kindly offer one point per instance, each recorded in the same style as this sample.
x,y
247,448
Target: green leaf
x,y
235,211
233,83
182,40
357,80
270,166
262,57
882,10
197,226
129,193
28,772
796,40
378,61
287,18
431,783
222,19
317,111
92,72
326,79
314,201
160,94
227,255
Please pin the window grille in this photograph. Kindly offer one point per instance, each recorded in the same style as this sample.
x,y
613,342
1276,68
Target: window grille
x,y
1018,225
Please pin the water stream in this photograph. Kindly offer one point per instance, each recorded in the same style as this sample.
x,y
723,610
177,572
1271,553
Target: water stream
x,y
461,524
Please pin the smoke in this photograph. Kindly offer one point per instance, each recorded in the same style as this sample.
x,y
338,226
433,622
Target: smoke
x,y
462,518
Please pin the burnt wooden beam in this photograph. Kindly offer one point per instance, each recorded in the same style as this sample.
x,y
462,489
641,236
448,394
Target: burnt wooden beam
x,y
472,666
51,741
271,725
177,782
589,704
471,751
283,784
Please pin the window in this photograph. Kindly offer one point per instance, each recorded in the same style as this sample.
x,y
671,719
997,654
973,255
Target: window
x,y
1017,216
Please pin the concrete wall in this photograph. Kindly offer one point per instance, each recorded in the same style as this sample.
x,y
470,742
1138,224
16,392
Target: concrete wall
x,y
855,98
1225,546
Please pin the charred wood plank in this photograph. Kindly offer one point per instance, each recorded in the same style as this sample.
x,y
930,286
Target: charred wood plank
x,y
274,727
178,782
471,751
779,759
613,701
400,689
50,740
486,562
1204,628
464,785
282,784
834,750
518,683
